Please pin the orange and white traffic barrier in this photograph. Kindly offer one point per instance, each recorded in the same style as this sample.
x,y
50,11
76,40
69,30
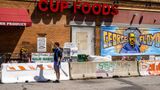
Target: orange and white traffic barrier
x,y
20,68
32,72
29,67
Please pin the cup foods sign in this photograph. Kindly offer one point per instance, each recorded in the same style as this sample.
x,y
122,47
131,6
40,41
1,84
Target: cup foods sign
x,y
85,7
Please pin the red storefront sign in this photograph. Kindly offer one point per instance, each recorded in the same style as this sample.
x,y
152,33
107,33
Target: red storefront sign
x,y
14,17
85,7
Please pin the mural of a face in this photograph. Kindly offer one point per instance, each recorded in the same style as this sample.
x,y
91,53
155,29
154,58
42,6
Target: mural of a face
x,y
131,46
132,39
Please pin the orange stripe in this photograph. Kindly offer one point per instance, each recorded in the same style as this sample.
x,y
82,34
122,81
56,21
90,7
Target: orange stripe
x,y
21,68
31,67
49,66
12,68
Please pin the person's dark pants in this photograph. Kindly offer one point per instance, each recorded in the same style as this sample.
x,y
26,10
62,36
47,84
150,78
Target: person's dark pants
x,y
56,68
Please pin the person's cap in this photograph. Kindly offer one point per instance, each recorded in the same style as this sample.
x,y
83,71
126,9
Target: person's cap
x,y
132,35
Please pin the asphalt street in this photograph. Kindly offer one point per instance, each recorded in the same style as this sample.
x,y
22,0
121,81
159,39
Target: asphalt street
x,y
130,83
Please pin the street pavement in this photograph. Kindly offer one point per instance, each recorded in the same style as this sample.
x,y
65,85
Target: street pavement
x,y
130,83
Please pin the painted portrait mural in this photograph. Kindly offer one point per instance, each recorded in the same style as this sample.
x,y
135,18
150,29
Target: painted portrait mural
x,y
129,41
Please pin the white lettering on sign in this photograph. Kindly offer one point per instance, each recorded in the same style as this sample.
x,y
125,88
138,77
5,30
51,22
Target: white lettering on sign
x,y
12,24
15,24
2,23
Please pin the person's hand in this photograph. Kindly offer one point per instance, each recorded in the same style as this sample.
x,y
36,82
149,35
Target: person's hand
x,y
59,62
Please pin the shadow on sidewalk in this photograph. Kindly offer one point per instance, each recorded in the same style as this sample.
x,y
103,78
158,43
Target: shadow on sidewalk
x,y
132,87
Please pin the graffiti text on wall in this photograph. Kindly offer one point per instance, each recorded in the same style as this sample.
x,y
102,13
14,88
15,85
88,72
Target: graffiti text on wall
x,y
150,68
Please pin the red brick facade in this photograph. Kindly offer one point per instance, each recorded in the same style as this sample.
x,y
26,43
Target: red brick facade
x,y
56,26
14,38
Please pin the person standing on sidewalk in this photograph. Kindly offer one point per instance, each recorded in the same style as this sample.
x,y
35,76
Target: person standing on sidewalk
x,y
57,60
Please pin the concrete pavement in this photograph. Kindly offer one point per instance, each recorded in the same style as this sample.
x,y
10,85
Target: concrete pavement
x,y
130,83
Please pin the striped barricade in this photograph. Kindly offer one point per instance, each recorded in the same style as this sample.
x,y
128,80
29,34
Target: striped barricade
x,y
32,72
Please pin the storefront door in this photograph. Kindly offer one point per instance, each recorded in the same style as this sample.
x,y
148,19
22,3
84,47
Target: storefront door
x,y
84,39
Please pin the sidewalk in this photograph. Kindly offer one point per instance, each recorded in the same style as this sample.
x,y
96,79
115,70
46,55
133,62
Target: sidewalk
x,y
131,83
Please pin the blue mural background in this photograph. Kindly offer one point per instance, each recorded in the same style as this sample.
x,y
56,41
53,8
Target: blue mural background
x,y
145,49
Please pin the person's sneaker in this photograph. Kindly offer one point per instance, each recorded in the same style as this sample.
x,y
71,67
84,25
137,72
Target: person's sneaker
x,y
56,81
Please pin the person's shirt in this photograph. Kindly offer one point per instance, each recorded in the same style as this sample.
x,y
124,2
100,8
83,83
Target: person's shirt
x,y
127,48
57,54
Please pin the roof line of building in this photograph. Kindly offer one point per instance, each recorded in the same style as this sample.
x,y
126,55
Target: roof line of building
x,y
139,9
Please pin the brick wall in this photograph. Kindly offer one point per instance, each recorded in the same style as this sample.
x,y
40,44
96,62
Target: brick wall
x,y
14,38
56,28
97,46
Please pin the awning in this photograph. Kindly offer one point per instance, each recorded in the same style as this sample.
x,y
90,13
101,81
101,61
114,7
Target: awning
x,y
14,17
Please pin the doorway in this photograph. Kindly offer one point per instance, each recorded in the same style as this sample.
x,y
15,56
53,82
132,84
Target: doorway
x,y
83,37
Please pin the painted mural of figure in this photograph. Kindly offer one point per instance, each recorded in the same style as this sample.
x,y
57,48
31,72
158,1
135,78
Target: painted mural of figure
x,y
130,46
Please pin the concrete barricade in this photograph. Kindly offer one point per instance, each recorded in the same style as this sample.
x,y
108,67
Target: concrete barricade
x,y
80,70
133,68
32,72
149,67
105,69
125,68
